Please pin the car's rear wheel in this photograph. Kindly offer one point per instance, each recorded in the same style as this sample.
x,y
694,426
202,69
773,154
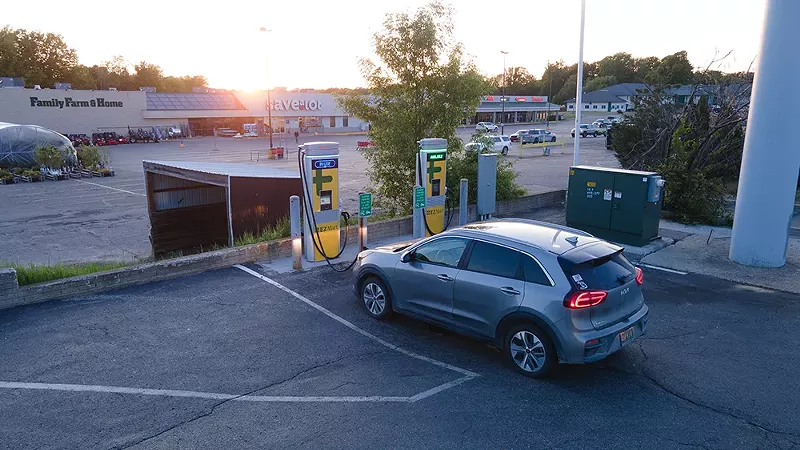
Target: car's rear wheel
x,y
376,298
530,351
505,150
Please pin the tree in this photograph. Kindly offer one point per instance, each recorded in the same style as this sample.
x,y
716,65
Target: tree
x,y
119,75
148,75
644,68
82,77
620,66
567,90
697,152
599,83
40,58
421,88
518,81
673,69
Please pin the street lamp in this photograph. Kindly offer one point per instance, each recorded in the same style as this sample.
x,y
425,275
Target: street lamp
x,y
503,94
269,99
549,94
579,92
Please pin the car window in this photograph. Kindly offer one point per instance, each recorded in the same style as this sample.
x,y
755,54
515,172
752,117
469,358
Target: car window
x,y
496,139
603,273
444,252
494,260
505,138
533,273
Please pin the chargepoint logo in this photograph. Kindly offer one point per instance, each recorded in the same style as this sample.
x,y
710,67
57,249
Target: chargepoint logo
x,y
296,105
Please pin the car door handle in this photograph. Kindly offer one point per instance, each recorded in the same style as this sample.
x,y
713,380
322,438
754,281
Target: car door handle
x,y
509,290
444,277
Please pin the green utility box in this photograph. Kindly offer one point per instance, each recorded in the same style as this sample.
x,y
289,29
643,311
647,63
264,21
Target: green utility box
x,y
618,205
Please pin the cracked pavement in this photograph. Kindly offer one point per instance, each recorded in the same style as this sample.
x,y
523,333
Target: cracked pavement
x,y
717,369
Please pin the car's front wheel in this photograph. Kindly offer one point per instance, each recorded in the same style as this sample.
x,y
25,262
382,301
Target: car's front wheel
x,y
376,298
530,351
505,150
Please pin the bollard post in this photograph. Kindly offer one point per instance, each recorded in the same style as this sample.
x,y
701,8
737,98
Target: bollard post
x,y
362,234
462,206
294,223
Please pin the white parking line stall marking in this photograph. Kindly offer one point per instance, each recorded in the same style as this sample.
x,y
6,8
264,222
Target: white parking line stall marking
x,y
348,324
664,269
199,395
109,187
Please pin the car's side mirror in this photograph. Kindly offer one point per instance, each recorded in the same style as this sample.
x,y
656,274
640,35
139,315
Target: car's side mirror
x,y
407,257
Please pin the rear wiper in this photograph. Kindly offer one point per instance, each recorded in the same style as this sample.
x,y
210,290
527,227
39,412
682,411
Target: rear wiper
x,y
622,279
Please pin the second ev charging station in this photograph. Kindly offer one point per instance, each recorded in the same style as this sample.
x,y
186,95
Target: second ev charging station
x,y
320,170
431,174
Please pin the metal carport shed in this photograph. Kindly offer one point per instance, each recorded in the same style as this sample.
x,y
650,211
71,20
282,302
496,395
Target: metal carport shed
x,y
197,205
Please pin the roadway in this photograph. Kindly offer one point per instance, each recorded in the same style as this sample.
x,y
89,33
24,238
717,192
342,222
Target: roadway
x,y
228,359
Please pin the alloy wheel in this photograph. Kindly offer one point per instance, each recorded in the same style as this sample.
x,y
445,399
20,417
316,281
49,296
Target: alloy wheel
x,y
374,298
528,351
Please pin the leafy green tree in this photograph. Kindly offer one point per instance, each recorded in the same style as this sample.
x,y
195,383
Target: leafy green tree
x,y
599,83
644,68
149,75
620,66
48,156
421,87
40,58
673,69
82,77
518,82
697,152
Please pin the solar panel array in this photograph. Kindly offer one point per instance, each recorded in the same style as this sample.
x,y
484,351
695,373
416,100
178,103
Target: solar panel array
x,y
160,101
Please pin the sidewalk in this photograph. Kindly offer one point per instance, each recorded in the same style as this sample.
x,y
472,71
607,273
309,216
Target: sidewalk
x,y
705,251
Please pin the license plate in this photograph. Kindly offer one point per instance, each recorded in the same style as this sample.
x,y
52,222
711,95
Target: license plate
x,y
625,336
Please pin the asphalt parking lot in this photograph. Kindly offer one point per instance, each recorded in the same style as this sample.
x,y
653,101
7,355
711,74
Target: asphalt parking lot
x,y
228,360
106,218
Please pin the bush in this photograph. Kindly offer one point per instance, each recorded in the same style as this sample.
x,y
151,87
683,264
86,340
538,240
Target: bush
x,y
89,156
32,174
48,156
6,176
465,165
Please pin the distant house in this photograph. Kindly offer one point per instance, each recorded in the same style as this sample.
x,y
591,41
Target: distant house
x,y
620,97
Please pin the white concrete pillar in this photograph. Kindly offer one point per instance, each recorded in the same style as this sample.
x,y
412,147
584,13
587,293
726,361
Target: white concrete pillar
x,y
768,178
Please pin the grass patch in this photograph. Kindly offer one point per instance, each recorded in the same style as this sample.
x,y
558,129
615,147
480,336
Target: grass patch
x,y
278,231
34,273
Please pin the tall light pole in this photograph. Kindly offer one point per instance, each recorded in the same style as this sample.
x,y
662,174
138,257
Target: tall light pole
x,y
770,163
269,99
503,94
579,95
549,94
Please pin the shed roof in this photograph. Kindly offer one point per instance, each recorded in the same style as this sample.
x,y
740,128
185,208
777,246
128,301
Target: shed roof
x,y
212,172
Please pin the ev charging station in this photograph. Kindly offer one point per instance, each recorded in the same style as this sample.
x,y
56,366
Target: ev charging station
x,y
320,177
431,174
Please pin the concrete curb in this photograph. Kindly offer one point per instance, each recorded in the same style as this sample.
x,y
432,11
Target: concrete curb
x,y
11,294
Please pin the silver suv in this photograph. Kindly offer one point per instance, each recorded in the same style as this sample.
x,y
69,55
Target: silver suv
x,y
542,293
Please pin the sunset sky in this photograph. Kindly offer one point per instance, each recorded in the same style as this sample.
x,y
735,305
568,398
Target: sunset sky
x,y
317,44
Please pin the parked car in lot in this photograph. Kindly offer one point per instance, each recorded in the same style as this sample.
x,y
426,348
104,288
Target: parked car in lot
x,y
517,135
486,127
588,130
538,136
501,144
542,293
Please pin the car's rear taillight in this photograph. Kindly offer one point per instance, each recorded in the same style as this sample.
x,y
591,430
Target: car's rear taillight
x,y
639,276
585,299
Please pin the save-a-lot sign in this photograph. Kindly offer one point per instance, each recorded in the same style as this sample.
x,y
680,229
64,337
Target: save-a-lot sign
x,y
68,102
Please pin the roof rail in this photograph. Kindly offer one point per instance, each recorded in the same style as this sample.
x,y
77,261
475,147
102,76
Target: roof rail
x,y
548,224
